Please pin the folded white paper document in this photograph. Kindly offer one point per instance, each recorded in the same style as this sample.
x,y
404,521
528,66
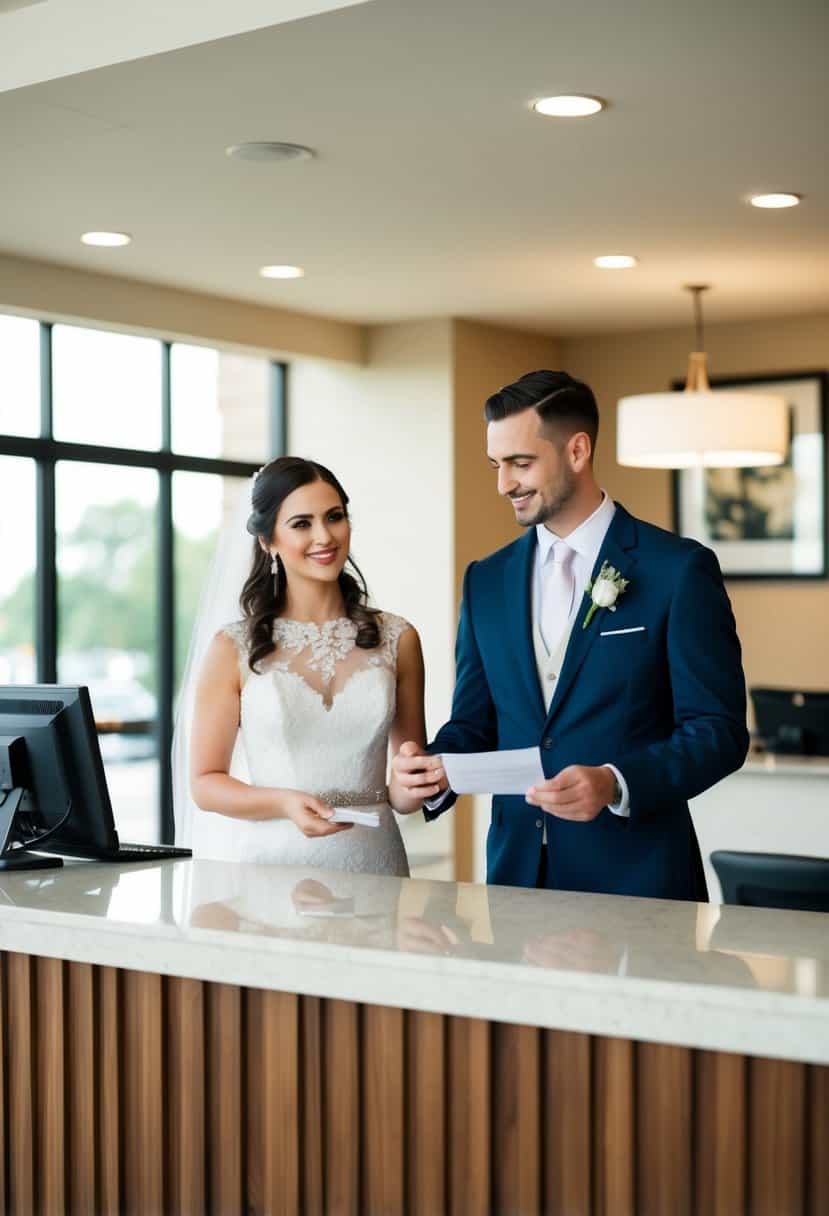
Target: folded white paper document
x,y
510,772
347,814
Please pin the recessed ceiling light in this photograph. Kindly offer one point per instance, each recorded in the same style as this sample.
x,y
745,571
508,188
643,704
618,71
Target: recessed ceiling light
x,y
774,202
268,151
569,105
615,261
282,272
110,239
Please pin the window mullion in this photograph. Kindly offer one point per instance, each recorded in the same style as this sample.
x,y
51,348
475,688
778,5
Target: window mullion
x,y
165,599
46,582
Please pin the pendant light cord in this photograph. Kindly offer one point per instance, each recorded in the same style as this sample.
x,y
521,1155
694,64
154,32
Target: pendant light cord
x,y
696,290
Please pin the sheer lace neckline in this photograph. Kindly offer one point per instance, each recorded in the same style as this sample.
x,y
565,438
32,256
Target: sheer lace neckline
x,y
326,657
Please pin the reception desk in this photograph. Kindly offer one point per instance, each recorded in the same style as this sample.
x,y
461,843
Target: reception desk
x,y
193,1037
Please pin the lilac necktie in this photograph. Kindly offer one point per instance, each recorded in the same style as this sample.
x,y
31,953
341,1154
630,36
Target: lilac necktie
x,y
557,588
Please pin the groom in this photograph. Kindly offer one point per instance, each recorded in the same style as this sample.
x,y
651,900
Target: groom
x,y
635,696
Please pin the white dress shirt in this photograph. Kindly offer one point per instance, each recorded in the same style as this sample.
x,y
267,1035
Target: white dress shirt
x,y
586,540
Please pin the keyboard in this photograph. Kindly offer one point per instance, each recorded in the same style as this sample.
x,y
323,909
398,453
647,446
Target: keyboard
x,y
146,852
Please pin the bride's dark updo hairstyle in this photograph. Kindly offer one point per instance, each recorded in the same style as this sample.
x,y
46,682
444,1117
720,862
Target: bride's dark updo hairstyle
x,y
260,607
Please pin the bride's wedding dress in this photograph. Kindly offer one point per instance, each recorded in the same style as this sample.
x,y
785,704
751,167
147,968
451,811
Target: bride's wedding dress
x,y
316,718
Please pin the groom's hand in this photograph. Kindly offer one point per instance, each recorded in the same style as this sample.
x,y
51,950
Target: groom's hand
x,y
420,775
579,792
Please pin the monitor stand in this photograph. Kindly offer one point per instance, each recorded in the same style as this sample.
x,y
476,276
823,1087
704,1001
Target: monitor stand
x,y
17,858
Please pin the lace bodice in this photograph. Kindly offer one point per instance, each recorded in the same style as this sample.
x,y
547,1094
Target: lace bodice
x,y
315,717
325,656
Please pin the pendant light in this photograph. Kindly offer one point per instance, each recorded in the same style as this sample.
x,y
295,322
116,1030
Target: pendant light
x,y
702,427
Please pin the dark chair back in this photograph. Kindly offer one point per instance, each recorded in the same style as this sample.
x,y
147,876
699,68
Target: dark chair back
x,y
773,880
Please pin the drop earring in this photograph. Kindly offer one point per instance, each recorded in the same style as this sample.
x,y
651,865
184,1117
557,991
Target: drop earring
x,y
275,573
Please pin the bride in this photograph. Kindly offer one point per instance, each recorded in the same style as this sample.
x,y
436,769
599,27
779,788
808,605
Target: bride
x,y
289,712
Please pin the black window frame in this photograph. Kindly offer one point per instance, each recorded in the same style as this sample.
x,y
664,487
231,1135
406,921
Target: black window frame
x,y
46,451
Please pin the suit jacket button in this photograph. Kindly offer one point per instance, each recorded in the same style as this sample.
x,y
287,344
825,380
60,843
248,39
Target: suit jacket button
x,y
547,743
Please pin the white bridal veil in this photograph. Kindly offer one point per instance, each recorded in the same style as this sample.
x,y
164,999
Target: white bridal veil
x,y
218,606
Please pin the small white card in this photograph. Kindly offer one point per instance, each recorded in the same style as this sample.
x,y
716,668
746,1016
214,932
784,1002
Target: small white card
x,y
347,814
509,772
333,907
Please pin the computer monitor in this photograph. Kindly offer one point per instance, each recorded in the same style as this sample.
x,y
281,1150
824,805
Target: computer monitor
x,y
53,791
792,721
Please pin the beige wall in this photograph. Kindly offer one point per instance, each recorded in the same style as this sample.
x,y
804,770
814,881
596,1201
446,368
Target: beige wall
x,y
52,292
781,625
486,357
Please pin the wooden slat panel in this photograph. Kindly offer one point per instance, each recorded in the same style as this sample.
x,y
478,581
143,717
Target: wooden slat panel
x,y
184,1075
254,1097
310,1088
516,1110
342,1125
225,1063
567,1118
281,1056
107,984
664,1124
426,1129
51,1081
143,1108
273,1103
614,1127
759,1144
21,1132
817,1120
80,1114
721,1134
384,1147
777,1137
470,1109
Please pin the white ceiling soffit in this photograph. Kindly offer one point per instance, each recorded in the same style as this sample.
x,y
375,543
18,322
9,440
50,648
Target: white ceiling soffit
x,y
8,6
47,39
436,191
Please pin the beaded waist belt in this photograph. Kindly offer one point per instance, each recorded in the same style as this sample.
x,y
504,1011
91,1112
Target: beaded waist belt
x,y
354,797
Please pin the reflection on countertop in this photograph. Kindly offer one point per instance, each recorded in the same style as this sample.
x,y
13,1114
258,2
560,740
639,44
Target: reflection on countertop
x,y
565,930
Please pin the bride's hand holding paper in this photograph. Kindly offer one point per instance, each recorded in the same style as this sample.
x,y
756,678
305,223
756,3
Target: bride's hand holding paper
x,y
415,777
311,815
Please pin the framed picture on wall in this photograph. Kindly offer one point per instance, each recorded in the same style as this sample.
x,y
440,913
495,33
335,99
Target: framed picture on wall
x,y
766,523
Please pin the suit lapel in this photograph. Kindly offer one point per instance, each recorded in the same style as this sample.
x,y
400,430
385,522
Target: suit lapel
x,y
618,550
518,574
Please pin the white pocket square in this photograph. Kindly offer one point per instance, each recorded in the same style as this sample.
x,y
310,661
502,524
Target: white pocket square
x,y
609,633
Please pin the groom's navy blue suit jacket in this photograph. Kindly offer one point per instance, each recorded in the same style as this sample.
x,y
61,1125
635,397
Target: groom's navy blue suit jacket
x,y
665,704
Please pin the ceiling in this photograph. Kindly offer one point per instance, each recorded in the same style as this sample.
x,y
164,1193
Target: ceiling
x,y
55,40
436,190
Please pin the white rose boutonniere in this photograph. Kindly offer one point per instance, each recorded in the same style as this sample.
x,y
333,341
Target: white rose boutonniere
x,y
604,591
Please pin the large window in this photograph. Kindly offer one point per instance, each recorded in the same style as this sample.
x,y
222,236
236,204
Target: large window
x,y
120,457
17,567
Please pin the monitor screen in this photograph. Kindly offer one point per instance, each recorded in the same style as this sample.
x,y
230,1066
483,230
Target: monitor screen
x,y
792,721
62,765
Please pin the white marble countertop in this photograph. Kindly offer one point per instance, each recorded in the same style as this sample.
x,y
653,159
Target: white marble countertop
x,y
750,980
